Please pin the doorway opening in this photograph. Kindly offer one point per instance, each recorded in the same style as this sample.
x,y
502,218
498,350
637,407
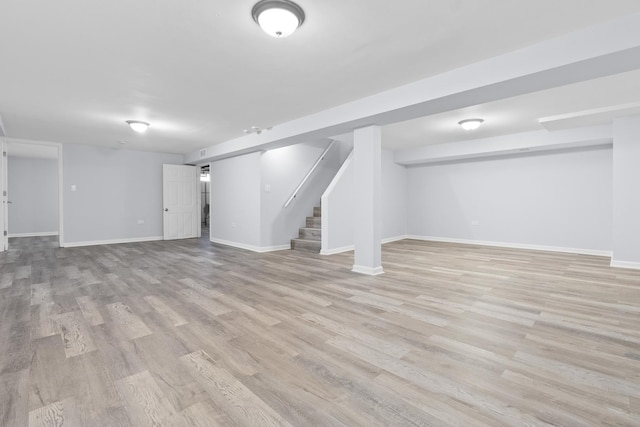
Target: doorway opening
x,y
205,198
31,190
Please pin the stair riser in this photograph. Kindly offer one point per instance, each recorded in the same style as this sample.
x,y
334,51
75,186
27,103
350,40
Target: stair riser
x,y
309,239
306,246
314,222
310,234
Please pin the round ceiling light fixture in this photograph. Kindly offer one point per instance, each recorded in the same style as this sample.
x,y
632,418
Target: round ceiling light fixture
x,y
138,126
471,124
278,18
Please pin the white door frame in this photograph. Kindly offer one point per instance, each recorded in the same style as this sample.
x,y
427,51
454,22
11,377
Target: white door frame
x,y
58,147
5,208
210,199
199,201
200,207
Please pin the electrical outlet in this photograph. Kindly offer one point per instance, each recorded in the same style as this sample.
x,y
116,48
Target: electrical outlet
x,y
267,188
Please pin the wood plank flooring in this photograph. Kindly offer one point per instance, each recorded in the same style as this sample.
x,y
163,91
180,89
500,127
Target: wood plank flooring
x,y
189,333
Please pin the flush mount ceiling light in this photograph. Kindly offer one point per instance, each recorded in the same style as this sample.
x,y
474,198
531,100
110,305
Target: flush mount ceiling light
x,y
278,18
471,124
138,126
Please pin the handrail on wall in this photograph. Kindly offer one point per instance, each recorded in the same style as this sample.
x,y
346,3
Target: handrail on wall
x,y
306,177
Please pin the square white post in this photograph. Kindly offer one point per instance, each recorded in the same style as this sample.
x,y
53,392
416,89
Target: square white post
x,y
626,193
367,150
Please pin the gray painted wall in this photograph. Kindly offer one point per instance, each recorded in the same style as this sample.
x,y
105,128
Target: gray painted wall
x,y
33,192
115,190
561,199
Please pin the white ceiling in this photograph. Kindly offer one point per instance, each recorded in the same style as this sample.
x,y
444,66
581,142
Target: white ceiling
x,y
522,113
201,72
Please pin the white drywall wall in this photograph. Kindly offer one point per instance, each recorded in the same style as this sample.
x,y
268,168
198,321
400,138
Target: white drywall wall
x,y
394,198
235,201
339,218
338,215
282,171
115,190
556,199
626,192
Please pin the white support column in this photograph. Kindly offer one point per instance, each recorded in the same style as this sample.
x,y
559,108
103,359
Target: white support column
x,y
367,150
626,196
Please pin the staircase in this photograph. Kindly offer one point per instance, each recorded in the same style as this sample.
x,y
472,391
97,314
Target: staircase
x,y
309,237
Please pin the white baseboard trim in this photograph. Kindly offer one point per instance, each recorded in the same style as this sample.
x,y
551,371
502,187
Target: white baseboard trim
x,y
42,234
351,247
337,250
625,264
394,239
514,245
370,271
259,249
112,242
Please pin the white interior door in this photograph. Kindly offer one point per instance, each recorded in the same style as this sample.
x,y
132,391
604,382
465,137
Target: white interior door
x,y
180,198
4,211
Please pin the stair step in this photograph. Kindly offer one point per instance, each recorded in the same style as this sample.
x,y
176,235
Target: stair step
x,y
317,211
314,222
306,245
310,233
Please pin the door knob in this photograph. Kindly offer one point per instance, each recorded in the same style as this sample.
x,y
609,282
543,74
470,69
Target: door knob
x,y
166,209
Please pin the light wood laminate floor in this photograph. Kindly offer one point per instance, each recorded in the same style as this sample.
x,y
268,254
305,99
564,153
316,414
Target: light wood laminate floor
x,y
188,333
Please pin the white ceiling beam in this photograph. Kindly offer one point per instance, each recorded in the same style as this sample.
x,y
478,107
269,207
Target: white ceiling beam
x,y
602,50
519,143
604,115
